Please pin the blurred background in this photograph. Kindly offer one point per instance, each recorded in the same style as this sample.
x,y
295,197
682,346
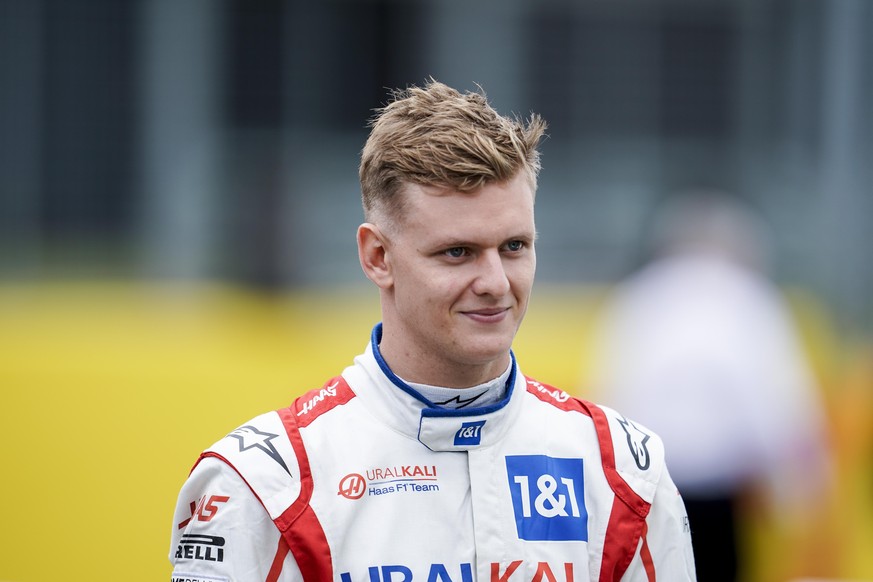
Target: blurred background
x,y
178,201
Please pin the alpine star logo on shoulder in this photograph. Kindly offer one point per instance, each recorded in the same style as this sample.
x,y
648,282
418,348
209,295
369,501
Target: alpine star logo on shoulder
x,y
470,434
548,497
636,441
250,437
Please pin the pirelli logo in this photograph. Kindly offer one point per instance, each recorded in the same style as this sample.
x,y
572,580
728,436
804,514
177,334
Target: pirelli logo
x,y
201,547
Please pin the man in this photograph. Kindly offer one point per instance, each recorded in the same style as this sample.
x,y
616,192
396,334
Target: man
x,y
432,457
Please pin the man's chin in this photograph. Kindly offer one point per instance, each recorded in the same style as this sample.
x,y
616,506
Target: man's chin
x,y
488,352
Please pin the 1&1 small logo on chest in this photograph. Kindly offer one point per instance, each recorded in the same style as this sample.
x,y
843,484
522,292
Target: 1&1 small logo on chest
x,y
470,434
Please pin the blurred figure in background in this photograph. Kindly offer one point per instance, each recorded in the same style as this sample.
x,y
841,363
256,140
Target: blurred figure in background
x,y
700,347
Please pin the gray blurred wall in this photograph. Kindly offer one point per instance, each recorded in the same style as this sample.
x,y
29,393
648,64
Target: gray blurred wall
x,y
219,139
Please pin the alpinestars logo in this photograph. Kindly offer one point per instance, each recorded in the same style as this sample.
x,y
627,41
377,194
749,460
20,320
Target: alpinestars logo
x,y
458,402
636,441
201,547
250,437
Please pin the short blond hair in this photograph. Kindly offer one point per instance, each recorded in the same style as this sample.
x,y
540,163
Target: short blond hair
x,y
437,136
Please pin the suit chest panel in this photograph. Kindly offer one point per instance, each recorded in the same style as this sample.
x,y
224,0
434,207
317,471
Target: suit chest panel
x,y
394,510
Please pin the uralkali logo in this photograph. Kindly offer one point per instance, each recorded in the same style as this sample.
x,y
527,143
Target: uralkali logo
x,y
379,481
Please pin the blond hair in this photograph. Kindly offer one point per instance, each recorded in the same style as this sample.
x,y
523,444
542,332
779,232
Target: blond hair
x,y
436,136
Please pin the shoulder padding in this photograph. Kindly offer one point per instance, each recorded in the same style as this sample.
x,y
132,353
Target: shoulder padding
x,y
638,452
261,452
630,452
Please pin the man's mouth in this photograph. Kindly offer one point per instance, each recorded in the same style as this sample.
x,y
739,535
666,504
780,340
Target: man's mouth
x,y
490,315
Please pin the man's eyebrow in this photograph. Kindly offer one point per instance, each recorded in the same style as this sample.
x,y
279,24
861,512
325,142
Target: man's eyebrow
x,y
458,242
452,243
527,236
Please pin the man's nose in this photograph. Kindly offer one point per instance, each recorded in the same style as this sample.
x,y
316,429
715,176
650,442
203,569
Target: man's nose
x,y
491,278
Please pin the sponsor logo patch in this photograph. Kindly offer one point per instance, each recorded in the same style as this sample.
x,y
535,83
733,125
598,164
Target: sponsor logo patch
x,y
555,394
195,578
352,486
470,434
317,397
387,480
405,573
636,442
201,547
458,402
500,572
250,438
548,497
205,509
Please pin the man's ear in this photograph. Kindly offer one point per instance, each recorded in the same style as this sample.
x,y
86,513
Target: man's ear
x,y
373,254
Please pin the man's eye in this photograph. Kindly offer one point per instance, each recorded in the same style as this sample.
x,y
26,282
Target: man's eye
x,y
456,252
515,245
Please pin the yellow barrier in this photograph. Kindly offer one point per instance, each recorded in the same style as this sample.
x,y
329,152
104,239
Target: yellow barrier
x,y
111,390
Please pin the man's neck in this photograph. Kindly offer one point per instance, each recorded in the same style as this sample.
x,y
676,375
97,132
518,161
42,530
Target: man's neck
x,y
457,398
405,364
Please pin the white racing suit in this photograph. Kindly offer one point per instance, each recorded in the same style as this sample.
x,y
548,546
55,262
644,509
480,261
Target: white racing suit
x,y
363,481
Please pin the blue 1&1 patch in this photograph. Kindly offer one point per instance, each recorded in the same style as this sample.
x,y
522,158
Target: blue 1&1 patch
x,y
470,434
548,496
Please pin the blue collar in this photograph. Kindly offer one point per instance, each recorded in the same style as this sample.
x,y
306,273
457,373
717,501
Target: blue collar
x,y
430,408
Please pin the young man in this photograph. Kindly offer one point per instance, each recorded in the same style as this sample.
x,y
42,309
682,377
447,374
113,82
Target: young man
x,y
432,458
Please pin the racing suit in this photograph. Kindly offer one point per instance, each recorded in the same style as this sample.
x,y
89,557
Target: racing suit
x,y
364,481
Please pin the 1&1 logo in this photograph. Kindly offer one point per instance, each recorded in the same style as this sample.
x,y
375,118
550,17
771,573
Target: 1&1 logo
x,y
548,497
469,434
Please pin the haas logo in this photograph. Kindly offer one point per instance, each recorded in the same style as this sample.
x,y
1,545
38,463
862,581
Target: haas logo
x,y
352,486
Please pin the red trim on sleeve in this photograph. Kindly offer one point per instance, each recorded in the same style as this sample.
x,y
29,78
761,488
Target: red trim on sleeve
x,y
630,497
278,560
627,520
224,460
299,524
646,555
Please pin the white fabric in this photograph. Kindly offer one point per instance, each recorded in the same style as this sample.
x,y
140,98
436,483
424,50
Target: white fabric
x,y
519,495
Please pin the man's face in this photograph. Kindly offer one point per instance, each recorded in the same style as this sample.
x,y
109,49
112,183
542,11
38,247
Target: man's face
x,y
461,270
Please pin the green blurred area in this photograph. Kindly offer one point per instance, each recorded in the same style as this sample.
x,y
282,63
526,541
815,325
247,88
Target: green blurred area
x,y
110,390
